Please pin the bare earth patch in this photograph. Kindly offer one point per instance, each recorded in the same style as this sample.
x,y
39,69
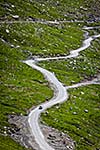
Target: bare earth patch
x,y
20,132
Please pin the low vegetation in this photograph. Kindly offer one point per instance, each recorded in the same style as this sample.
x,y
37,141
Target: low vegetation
x,y
85,67
79,117
23,87
7,143
40,39
50,10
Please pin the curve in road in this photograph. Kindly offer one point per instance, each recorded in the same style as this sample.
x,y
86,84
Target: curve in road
x,y
60,91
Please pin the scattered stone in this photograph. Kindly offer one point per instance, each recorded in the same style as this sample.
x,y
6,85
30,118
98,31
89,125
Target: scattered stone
x,y
71,108
86,111
15,16
12,6
7,31
74,96
57,107
74,113
46,112
5,127
12,45
17,46
58,140
5,133
82,92
20,132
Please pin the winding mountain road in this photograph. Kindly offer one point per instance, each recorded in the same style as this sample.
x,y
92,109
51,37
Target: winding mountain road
x,y
60,92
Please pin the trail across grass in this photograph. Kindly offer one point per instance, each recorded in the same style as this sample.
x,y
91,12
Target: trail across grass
x,y
22,87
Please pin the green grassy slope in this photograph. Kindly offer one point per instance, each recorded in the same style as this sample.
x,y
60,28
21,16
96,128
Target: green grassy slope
x,y
50,10
71,117
85,67
7,143
23,87
79,117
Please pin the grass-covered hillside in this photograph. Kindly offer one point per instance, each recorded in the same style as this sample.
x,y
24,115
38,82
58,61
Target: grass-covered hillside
x,y
50,9
79,117
22,87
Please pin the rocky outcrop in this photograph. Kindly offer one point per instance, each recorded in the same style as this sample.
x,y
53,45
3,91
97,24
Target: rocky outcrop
x,y
20,132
